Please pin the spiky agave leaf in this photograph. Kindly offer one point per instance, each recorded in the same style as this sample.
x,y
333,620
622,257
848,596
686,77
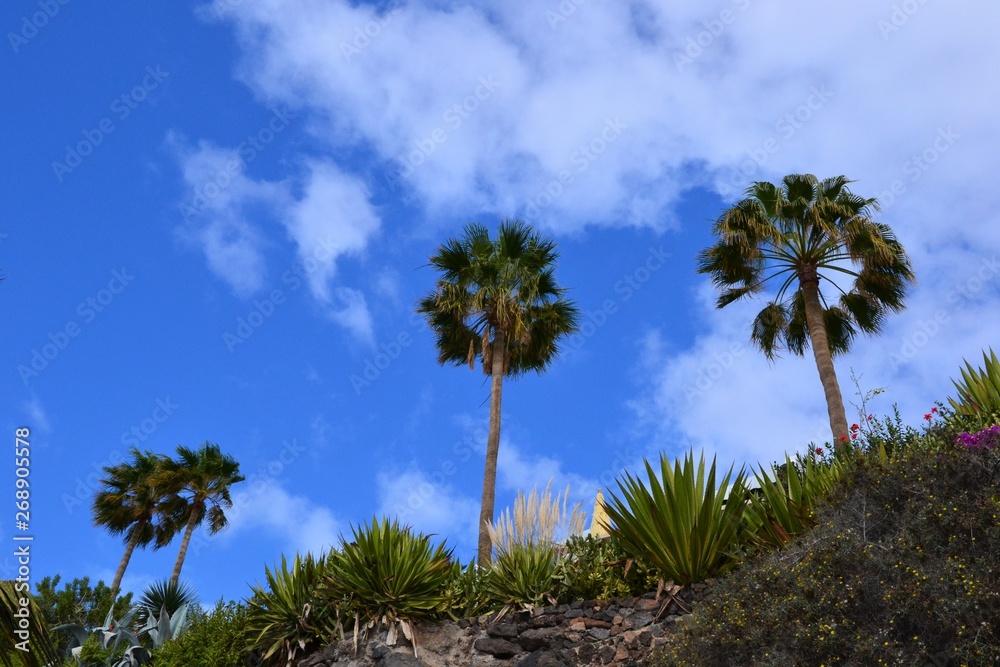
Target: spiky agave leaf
x,y
681,521
979,389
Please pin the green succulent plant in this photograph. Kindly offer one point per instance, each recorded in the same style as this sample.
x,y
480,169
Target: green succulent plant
x,y
288,617
979,391
388,575
525,576
682,521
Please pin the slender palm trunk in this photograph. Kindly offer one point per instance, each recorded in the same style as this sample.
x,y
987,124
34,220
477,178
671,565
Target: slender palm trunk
x,y
129,548
191,524
492,449
824,361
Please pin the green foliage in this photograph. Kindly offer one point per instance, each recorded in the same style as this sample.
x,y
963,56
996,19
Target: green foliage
x,y
77,602
389,575
12,614
167,595
681,522
467,592
596,569
112,645
783,505
979,391
288,618
525,576
901,570
215,639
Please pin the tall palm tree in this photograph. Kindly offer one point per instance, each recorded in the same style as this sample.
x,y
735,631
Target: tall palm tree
x,y
131,503
497,301
200,479
815,237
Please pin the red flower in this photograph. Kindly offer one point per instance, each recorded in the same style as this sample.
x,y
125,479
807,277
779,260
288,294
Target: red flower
x,y
843,437
934,409
854,427
927,416
819,450
854,436
869,417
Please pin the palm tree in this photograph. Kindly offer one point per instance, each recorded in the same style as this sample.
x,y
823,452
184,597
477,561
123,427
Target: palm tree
x,y
200,479
131,503
497,301
809,234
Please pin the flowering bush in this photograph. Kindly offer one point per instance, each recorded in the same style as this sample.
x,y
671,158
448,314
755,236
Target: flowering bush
x,y
985,439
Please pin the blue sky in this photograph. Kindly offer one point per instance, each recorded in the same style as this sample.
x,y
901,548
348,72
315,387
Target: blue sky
x,y
218,216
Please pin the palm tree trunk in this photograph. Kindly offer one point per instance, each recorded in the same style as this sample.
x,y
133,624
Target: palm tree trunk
x,y
824,360
192,522
132,542
492,449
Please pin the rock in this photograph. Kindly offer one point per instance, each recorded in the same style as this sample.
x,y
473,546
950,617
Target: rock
x,y
606,653
621,655
498,648
533,640
573,613
599,633
400,660
502,630
541,659
640,619
596,623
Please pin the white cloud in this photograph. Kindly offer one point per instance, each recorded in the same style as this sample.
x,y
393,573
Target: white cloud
x,y
302,524
218,210
430,504
331,219
553,84
39,419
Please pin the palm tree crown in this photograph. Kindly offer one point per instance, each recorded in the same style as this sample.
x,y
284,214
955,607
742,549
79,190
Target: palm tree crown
x,y
811,238
131,503
200,478
497,301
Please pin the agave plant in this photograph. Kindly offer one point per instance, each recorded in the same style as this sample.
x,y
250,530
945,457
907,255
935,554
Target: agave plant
x,y
169,600
525,576
22,632
387,575
112,636
288,617
979,390
682,522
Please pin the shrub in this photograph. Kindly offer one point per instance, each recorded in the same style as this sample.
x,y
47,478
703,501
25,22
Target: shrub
x,y
215,639
289,618
536,520
596,569
389,576
681,523
467,592
525,577
901,569
979,391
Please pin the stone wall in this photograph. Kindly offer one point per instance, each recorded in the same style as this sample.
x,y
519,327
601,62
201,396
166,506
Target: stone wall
x,y
619,632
